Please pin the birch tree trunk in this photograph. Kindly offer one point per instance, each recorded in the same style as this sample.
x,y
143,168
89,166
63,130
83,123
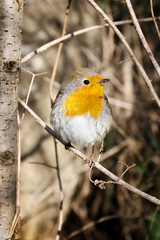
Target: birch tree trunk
x,y
10,55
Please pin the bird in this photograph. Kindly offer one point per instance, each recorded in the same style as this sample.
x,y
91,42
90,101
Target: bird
x,y
81,113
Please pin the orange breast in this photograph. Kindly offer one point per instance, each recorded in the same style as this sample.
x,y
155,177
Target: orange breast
x,y
86,99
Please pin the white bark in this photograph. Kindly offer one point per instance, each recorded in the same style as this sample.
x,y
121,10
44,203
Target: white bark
x,y
10,54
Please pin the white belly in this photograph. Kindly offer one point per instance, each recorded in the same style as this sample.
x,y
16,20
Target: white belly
x,y
81,130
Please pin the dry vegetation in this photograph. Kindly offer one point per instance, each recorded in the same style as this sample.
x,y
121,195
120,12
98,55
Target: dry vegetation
x,y
91,213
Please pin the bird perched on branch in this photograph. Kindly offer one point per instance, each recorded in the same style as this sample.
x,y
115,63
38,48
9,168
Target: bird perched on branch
x,y
81,114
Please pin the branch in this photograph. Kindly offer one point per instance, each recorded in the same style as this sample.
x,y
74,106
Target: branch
x,y
129,50
87,159
60,220
90,225
126,185
76,33
154,19
59,52
142,37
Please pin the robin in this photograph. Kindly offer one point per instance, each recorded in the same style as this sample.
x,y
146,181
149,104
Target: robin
x,y
81,114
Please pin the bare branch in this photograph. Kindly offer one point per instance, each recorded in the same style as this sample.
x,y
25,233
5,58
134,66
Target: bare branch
x,y
154,19
127,168
90,225
60,219
142,37
30,88
129,50
59,52
76,33
87,159
126,185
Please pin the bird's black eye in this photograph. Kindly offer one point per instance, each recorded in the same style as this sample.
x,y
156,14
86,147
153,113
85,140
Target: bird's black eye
x,y
86,82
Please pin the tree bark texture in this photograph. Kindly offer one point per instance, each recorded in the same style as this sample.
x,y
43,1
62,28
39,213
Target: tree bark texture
x,y
10,56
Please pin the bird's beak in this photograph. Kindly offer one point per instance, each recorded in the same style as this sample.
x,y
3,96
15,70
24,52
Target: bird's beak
x,y
104,80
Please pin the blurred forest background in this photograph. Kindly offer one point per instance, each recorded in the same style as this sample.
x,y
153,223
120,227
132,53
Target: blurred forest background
x,y
91,213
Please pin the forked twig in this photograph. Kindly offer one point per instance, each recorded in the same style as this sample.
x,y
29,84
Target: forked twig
x,y
127,168
87,159
102,184
30,88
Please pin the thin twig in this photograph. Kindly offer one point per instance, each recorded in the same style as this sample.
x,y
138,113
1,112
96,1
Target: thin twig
x,y
90,225
128,48
76,33
43,164
114,150
42,196
60,220
121,104
127,168
87,159
35,148
30,88
152,222
154,19
59,52
119,129
126,185
102,184
142,37
101,149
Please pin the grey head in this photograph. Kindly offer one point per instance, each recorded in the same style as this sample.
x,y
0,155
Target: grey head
x,y
75,79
